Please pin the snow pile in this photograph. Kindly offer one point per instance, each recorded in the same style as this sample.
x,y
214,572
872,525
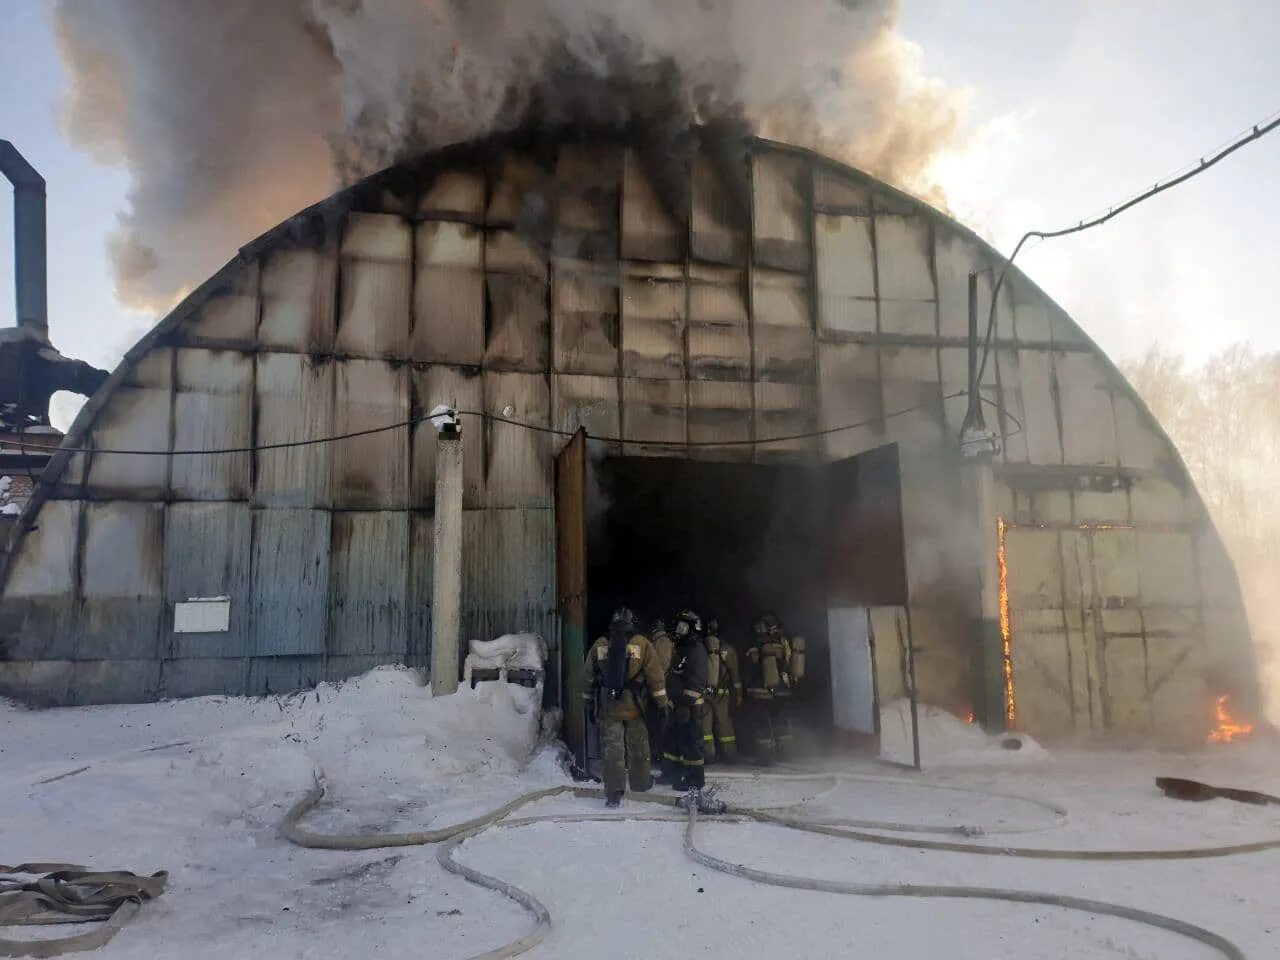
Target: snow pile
x,y
8,508
511,651
946,740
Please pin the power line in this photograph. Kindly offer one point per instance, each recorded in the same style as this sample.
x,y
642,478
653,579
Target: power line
x,y
1256,132
537,428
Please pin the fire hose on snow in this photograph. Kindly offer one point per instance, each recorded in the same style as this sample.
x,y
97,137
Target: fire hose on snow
x,y
453,837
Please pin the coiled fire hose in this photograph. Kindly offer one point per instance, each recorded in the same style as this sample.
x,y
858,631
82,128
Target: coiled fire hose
x,y
453,836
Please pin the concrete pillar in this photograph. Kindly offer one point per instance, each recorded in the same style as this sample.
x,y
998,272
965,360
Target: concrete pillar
x,y
990,638
446,587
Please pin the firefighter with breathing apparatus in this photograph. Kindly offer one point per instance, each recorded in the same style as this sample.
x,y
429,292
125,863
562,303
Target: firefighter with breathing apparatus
x,y
725,681
625,674
772,669
663,646
687,681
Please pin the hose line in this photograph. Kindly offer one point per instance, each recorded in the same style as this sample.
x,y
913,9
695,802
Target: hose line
x,y
452,837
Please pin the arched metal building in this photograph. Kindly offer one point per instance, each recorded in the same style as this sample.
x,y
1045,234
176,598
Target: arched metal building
x,y
739,291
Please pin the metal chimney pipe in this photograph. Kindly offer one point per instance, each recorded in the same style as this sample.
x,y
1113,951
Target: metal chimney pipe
x,y
30,274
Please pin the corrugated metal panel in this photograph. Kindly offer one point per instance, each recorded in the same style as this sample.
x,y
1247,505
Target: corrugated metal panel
x,y
586,318
1108,506
421,551
1035,574
1031,314
903,258
371,471
295,402
835,190
719,352
1115,567
298,287
590,402
1175,675
463,389
232,315
198,678
514,253
290,586
913,317
1167,566
955,257
115,681
522,192
376,266
719,411
1040,420
783,410
454,193
1088,420
138,418
1125,659
719,221
846,273
45,563
519,323
1217,575
849,390
651,230
780,190
954,363
1064,329
211,411
121,608
654,308
448,302
891,674
369,574
518,461
653,410
781,299
1042,672
218,568
588,183
508,573
1138,445
910,382
784,354
269,675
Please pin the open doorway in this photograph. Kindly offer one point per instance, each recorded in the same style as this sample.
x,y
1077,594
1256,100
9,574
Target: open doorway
x,y
730,539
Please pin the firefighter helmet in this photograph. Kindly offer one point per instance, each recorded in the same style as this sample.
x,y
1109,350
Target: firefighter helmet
x,y
690,621
623,617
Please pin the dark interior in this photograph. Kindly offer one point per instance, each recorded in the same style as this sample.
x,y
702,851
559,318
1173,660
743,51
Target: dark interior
x,y
725,539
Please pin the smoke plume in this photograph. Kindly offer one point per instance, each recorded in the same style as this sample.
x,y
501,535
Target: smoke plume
x,y
233,114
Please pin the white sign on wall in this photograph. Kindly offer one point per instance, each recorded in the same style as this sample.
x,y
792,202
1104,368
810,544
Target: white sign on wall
x,y
202,615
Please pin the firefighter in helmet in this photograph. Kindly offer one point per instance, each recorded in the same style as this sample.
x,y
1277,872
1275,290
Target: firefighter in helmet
x,y
663,647
725,681
625,674
767,676
687,681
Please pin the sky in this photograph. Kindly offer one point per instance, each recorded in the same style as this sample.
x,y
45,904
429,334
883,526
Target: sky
x,y
1069,107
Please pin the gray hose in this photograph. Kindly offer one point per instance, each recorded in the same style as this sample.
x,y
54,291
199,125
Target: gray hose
x,y
455,835
1100,907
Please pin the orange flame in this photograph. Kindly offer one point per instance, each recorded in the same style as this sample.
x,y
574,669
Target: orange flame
x,y
1229,729
1002,568
970,718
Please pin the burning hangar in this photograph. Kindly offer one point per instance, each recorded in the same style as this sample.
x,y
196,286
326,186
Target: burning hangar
x,y
736,377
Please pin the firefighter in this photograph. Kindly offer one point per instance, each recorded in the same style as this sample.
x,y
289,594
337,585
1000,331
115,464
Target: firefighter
x,y
687,680
793,653
725,681
766,676
624,674
663,646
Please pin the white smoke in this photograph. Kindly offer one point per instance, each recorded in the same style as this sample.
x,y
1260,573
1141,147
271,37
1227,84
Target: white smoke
x,y
233,114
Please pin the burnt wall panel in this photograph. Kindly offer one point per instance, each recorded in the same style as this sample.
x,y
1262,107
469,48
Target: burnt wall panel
x,y
38,608
720,210
371,471
654,310
517,460
586,319
449,292
290,584
138,418
1088,420
849,386
121,609
589,402
230,315
294,396
419,597
508,580
845,273
719,412
212,407
780,189
376,276
912,402
454,195
369,580
653,410
654,223
298,287
588,188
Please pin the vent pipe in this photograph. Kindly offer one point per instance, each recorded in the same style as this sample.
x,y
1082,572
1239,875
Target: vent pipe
x,y
30,271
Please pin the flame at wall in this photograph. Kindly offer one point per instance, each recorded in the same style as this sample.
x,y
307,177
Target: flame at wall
x,y
1006,646
1228,728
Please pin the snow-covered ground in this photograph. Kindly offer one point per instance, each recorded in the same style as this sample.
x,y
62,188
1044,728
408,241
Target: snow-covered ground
x,y
199,787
